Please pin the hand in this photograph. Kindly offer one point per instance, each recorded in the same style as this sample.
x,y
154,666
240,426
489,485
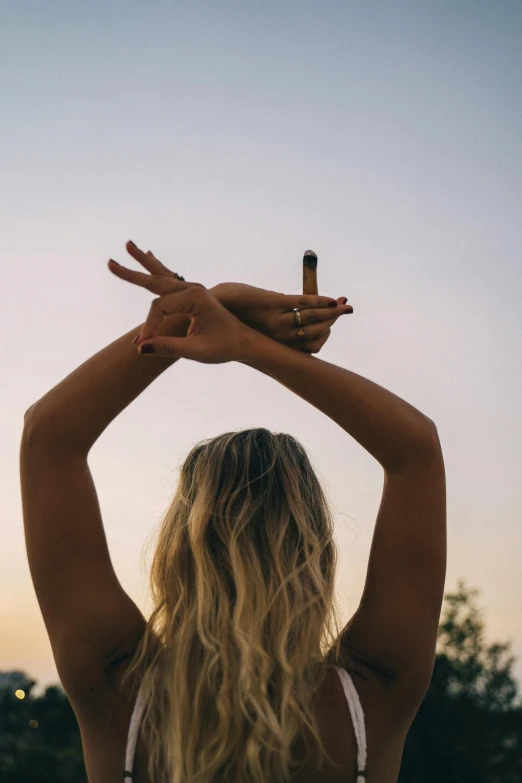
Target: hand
x,y
214,335
265,311
272,313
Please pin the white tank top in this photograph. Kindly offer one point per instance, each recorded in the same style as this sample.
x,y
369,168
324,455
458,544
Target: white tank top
x,y
354,705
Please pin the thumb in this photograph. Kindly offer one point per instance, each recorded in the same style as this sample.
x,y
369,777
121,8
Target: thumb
x,y
171,347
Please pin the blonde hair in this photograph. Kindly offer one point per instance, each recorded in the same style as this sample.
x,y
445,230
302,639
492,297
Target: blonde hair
x,y
242,582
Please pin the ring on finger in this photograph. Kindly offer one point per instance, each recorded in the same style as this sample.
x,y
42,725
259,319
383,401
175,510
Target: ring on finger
x,y
299,323
315,331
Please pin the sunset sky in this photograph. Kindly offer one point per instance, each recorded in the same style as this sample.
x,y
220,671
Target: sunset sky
x,y
229,138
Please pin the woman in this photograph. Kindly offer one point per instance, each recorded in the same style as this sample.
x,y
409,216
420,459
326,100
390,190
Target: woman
x,y
242,672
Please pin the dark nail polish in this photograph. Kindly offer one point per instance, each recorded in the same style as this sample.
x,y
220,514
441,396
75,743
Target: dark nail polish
x,y
147,349
132,243
332,304
344,300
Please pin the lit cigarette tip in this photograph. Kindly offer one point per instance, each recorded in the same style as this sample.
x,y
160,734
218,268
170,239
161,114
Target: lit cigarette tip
x,y
310,272
310,259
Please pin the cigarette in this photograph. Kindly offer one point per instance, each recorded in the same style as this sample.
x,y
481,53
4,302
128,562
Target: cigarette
x,y
310,273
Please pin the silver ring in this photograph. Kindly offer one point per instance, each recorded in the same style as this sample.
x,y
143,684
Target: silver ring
x,y
299,323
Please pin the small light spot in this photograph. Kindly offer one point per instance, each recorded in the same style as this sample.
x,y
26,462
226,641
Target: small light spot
x,y
20,694
33,724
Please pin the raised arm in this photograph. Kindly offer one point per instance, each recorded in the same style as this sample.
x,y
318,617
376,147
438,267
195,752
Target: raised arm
x,y
394,630
392,430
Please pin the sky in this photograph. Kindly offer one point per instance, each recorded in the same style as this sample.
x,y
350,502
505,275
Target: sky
x,y
229,138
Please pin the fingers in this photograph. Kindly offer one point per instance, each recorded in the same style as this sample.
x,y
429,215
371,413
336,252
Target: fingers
x,y
166,309
312,332
162,269
153,320
305,301
313,308
315,330
148,260
310,346
188,302
154,265
310,319
175,347
158,284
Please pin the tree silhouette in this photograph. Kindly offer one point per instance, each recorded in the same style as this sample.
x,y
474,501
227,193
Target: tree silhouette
x,y
469,726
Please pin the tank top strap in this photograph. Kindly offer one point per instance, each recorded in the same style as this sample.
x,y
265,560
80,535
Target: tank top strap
x,y
356,711
132,738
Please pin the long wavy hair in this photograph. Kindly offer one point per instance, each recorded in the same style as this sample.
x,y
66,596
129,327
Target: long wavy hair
x,y
245,617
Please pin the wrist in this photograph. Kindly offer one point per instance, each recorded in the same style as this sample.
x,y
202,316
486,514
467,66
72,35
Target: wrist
x,y
219,292
256,347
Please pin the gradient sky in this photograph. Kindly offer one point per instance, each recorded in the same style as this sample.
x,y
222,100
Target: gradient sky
x,y
229,138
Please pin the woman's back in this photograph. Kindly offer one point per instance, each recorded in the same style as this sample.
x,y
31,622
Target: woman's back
x,y
349,708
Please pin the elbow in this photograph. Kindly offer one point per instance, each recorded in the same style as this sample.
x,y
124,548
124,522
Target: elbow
x,y
36,429
423,448
27,424
430,443
433,434
26,414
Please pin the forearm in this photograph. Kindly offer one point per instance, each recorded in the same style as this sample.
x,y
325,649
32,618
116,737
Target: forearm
x,y
76,411
390,429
